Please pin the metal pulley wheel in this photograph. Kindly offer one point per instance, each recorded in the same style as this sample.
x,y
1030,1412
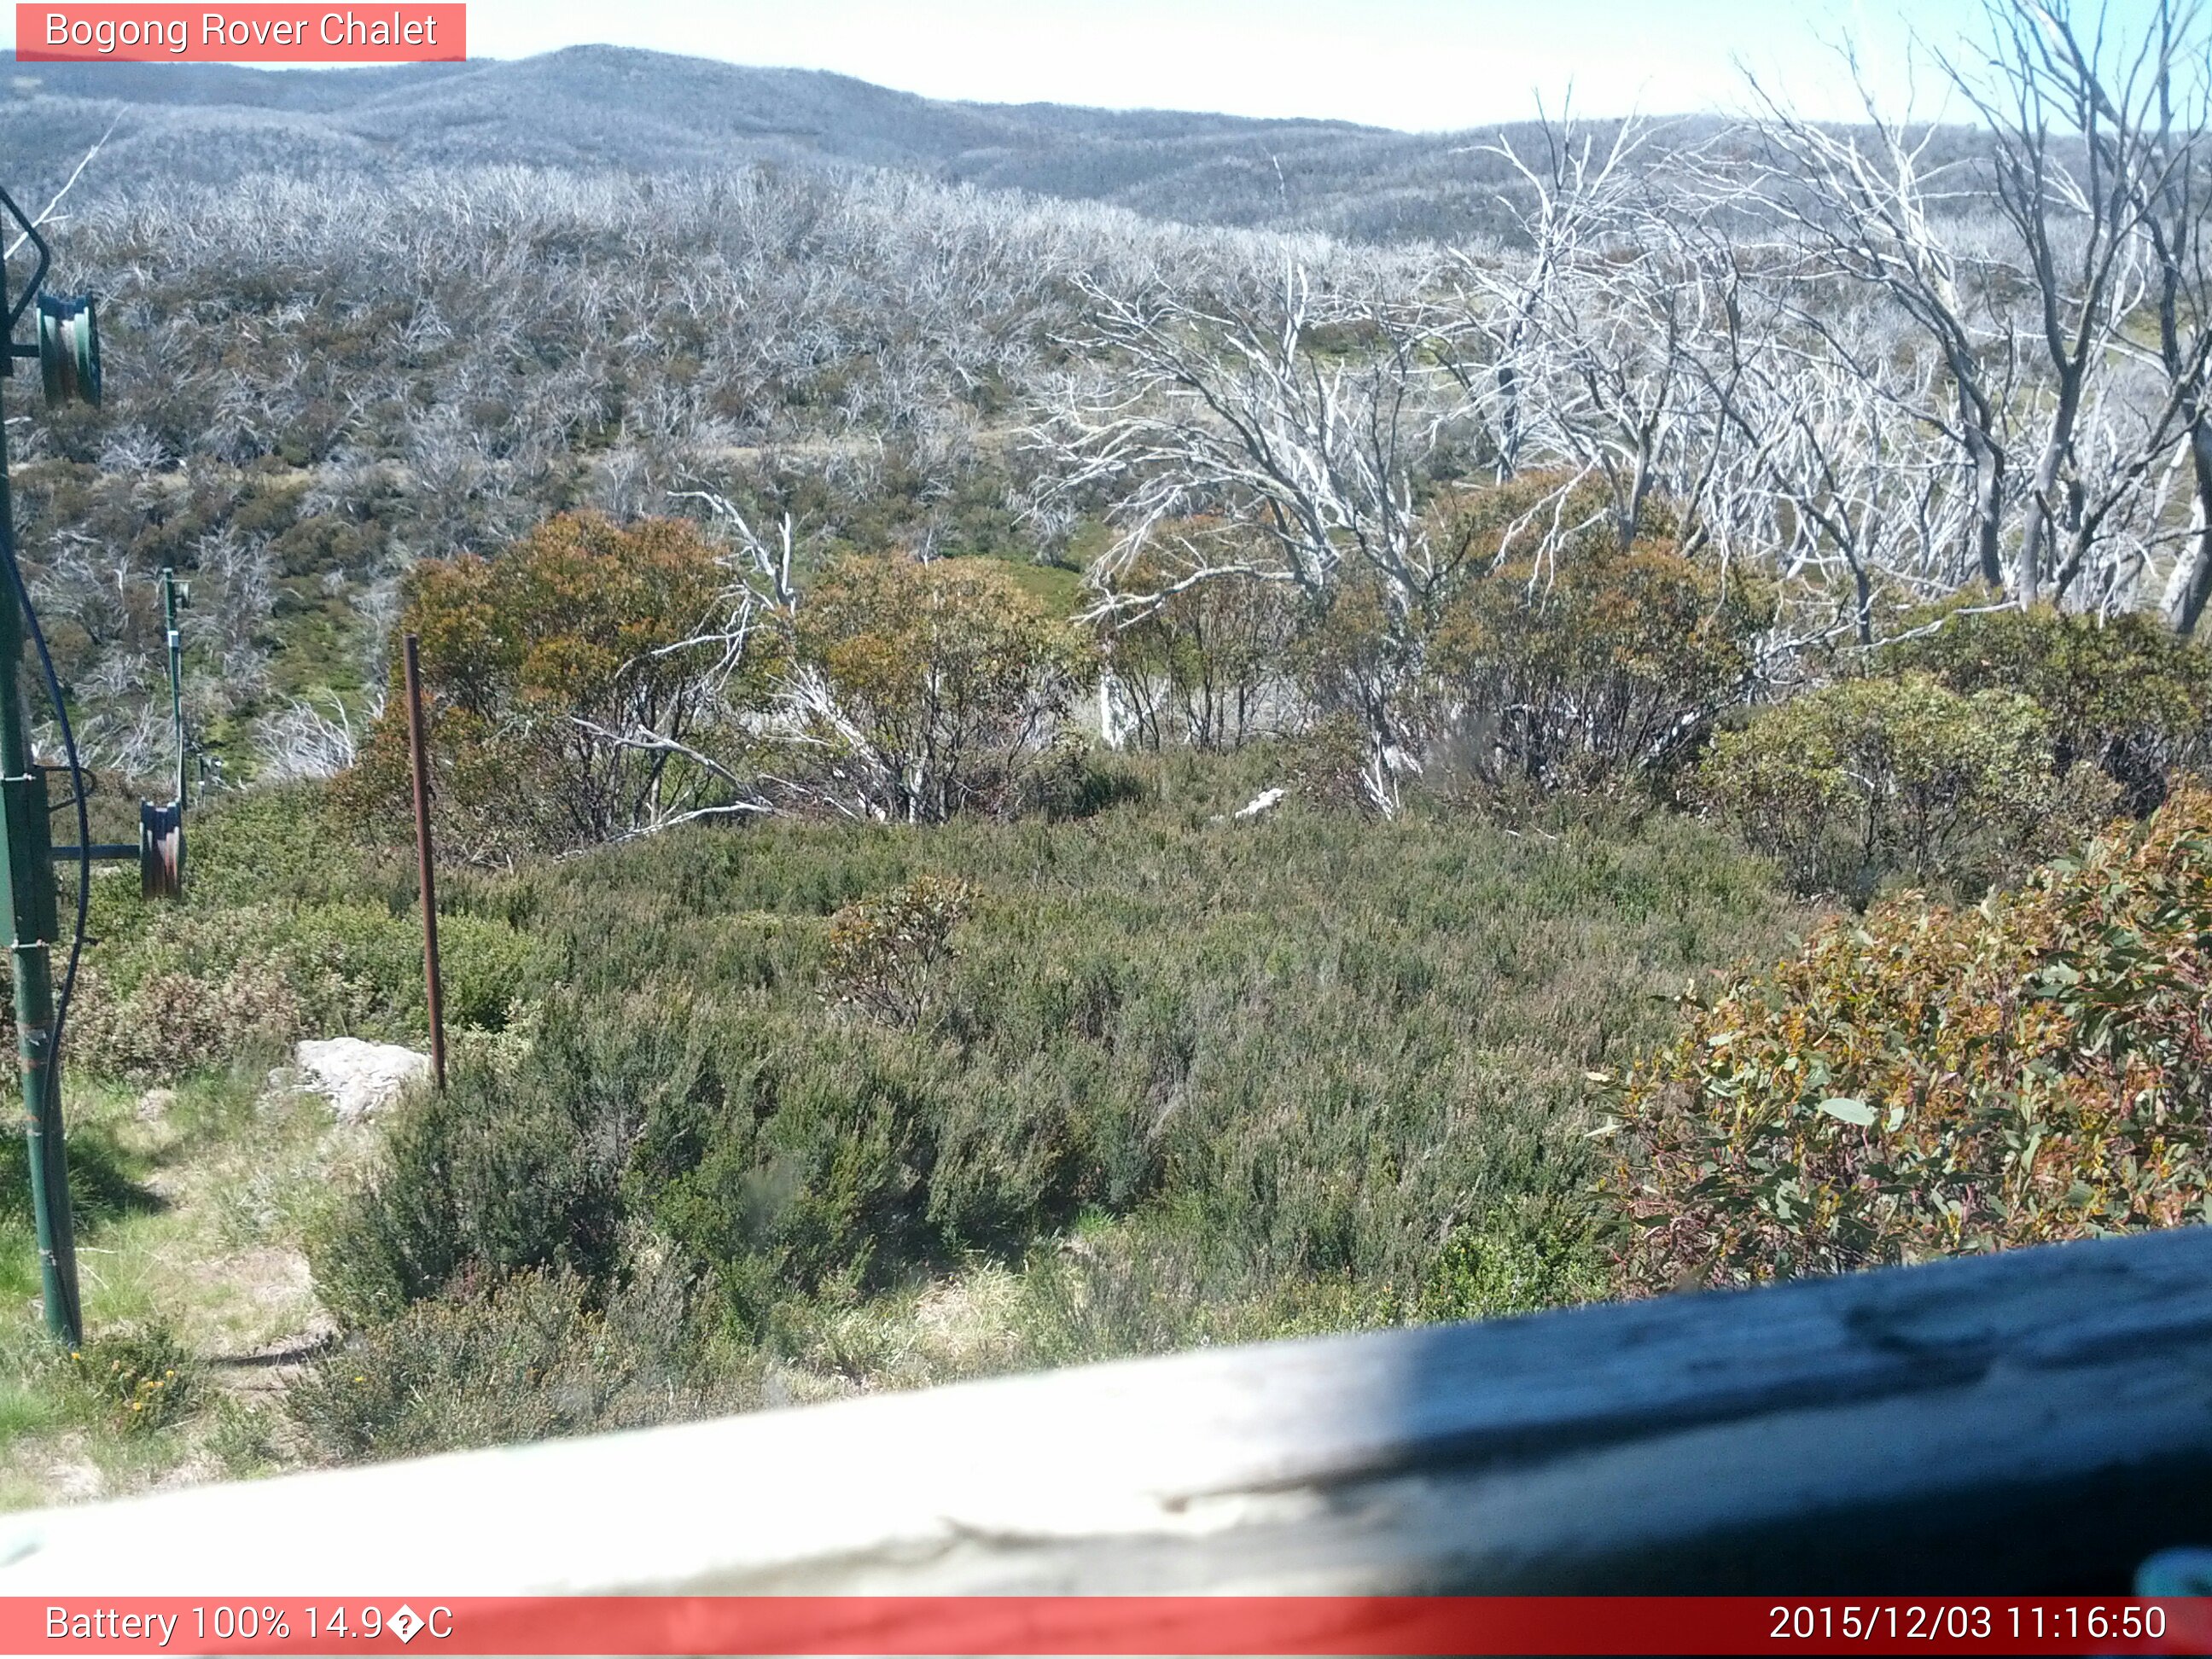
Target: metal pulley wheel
x,y
69,349
161,850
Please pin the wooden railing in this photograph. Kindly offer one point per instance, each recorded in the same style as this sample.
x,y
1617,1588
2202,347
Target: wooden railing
x,y
2040,1420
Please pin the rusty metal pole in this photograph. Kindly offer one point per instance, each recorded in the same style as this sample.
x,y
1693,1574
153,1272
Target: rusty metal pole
x,y
419,748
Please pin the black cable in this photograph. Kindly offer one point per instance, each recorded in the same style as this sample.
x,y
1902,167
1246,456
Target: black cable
x,y
83,830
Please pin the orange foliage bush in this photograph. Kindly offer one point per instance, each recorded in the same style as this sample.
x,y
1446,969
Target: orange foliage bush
x,y
1925,1082
535,661
932,686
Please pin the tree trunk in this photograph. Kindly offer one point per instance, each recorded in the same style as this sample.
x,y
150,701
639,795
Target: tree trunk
x,y
1989,509
2191,586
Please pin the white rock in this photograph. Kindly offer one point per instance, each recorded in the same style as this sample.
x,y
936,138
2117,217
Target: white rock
x,y
1259,804
359,1077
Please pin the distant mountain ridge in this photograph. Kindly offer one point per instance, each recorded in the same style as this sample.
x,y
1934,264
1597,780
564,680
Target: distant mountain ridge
x,y
606,106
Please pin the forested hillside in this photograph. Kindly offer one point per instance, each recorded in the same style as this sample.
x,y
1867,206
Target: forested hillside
x,y
1034,774
605,109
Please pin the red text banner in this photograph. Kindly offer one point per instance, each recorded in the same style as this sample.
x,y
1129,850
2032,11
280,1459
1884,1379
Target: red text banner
x,y
1102,1625
257,34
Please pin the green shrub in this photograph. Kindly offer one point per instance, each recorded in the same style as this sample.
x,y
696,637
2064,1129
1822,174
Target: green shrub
x,y
1331,763
142,1381
1926,1083
172,1022
149,1013
582,620
1157,1282
372,959
287,931
290,842
798,1158
2120,692
1488,1271
174,990
887,955
1202,664
1865,779
499,1173
1159,1029
1594,663
504,1360
1073,778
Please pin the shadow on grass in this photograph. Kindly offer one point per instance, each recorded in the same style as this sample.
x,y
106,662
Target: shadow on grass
x,y
104,1186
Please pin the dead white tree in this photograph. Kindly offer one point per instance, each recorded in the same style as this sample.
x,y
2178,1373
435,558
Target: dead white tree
x,y
2078,164
2088,145
48,214
1302,413
2140,106
1863,202
300,740
1572,188
1835,475
1633,379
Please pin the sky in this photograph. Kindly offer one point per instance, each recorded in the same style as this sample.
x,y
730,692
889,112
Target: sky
x,y
1417,65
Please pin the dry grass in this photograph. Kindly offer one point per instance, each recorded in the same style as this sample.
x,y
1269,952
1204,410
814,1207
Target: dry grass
x,y
194,1221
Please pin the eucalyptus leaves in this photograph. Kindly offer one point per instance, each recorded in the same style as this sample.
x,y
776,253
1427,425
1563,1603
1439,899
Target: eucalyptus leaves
x,y
1924,1082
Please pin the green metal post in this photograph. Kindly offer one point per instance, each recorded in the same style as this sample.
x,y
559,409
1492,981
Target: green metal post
x,y
27,872
176,673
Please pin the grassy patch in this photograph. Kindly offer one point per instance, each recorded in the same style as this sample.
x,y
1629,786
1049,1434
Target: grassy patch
x,y
190,1263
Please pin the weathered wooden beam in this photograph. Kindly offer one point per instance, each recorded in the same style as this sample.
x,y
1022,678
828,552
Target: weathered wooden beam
x,y
2040,1420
